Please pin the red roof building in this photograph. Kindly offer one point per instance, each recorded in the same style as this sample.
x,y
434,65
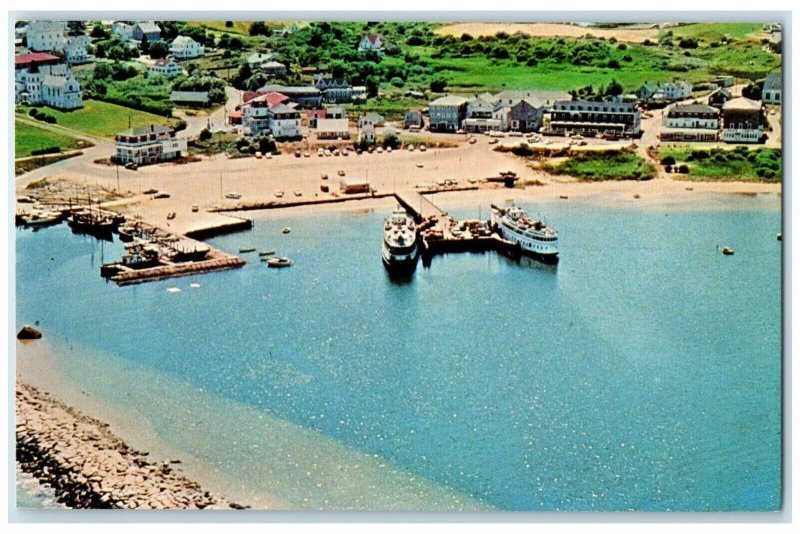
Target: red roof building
x,y
32,59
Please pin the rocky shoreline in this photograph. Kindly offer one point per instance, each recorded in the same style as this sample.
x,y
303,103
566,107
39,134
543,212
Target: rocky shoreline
x,y
89,467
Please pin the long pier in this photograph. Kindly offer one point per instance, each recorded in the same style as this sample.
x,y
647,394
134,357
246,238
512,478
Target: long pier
x,y
420,207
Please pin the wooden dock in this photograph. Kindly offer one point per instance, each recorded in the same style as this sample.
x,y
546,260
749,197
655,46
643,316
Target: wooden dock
x,y
418,206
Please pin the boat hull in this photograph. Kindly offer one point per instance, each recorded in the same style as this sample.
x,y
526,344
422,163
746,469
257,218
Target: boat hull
x,y
399,263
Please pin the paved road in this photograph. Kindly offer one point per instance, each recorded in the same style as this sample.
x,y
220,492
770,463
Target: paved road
x,y
216,119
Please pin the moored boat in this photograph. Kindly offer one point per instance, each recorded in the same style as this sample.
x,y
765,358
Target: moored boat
x,y
534,237
279,262
399,247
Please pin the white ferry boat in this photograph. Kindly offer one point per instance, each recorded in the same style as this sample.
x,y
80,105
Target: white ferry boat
x,y
399,248
534,236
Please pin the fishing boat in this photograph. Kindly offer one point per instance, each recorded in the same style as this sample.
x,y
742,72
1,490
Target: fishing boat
x,y
266,253
91,223
534,237
279,262
399,246
40,218
244,250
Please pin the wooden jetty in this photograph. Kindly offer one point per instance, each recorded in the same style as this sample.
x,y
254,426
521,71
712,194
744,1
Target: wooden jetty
x,y
418,206
172,270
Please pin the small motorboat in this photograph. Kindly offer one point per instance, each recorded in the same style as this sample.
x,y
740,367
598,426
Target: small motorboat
x,y
780,237
563,197
636,195
150,191
286,230
233,196
244,250
266,253
728,251
279,262
279,194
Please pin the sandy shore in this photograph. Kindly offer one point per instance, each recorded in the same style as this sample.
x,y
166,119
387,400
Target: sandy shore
x,y
90,467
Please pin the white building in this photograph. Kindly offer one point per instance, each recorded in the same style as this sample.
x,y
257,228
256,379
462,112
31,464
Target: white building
x,y
284,122
165,67
366,134
771,94
150,144
184,47
122,30
52,85
46,35
690,122
371,43
75,50
679,90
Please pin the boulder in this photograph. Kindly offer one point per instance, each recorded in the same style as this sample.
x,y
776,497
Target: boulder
x,y
29,332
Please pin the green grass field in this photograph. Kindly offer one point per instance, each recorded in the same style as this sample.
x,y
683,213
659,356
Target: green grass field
x,y
28,138
102,119
714,31
595,167
740,163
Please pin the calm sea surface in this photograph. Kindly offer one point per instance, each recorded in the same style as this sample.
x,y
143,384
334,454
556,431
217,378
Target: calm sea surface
x,y
644,372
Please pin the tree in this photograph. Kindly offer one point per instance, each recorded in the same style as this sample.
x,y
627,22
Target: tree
x,y
614,88
438,85
158,50
229,24
98,32
145,45
668,160
76,27
102,71
259,28
205,134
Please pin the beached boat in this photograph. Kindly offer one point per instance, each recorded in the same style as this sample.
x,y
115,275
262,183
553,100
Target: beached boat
x,y
40,218
534,237
399,246
279,262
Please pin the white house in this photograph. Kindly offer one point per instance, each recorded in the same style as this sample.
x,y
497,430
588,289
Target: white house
x,y
122,30
52,85
75,50
184,47
371,43
284,122
366,134
150,144
771,94
46,35
690,122
165,67
679,90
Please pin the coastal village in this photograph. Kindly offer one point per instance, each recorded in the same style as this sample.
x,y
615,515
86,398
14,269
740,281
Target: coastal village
x,y
161,134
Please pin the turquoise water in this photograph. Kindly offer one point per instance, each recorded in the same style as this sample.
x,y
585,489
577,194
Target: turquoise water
x,y
643,373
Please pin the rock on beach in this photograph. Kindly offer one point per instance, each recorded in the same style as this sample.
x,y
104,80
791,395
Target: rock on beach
x,y
89,467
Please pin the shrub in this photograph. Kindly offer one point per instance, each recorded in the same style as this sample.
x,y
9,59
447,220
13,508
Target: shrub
x,y
34,113
613,64
205,134
668,160
43,151
683,169
668,168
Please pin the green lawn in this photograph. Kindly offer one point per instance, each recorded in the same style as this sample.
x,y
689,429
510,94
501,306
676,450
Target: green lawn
x,y
740,163
103,119
28,138
599,166
714,31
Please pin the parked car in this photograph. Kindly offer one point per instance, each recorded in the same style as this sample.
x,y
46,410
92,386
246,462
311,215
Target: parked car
x,y
131,166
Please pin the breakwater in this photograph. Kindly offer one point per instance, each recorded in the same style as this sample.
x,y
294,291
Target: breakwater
x,y
89,467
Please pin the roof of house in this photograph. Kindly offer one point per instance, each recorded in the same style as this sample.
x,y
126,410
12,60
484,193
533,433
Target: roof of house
x,y
772,81
373,38
54,81
282,108
332,125
189,96
372,117
273,65
143,130
449,100
543,97
316,113
290,89
24,60
721,91
259,57
693,108
148,27
742,103
184,40
164,62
